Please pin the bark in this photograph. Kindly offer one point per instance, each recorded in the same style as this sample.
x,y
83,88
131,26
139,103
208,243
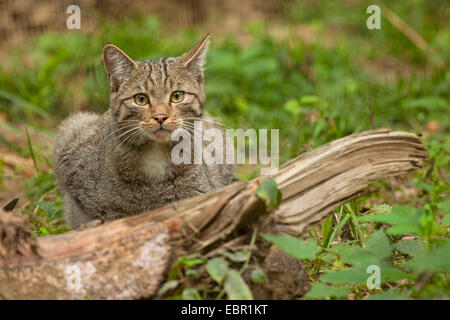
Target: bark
x,y
128,258
327,177
117,260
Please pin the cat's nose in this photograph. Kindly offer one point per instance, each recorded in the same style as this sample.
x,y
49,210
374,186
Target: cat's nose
x,y
160,117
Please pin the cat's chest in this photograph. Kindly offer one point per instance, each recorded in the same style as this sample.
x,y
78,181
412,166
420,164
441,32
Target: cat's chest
x,y
155,163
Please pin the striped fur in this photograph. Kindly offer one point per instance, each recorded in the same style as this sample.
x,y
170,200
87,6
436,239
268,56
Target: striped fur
x,y
118,164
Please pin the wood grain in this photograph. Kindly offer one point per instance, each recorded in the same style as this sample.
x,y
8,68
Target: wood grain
x,y
128,258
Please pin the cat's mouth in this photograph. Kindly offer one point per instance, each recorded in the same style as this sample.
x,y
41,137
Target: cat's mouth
x,y
162,135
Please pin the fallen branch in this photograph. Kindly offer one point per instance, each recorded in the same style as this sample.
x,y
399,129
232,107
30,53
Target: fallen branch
x,y
322,180
128,258
410,33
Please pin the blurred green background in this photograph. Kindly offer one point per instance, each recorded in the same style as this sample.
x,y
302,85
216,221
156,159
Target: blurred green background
x,y
309,68
312,69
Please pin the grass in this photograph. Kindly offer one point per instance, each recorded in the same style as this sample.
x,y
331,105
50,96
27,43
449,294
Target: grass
x,y
347,79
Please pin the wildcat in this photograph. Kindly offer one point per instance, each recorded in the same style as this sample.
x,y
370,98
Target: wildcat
x,y
119,163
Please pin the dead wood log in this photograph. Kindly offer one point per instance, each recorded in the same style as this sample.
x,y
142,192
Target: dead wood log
x,y
121,261
315,183
128,258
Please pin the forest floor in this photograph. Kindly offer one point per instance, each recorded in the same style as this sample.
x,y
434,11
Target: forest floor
x,y
317,76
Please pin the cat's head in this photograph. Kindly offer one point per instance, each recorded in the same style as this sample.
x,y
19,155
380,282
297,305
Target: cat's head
x,y
150,99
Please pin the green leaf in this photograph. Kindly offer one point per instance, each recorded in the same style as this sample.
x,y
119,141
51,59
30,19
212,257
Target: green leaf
x,y
47,207
217,269
339,227
429,189
398,214
328,257
353,276
430,227
376,251
393,274
359,275
309,100
238,256
293,107
269,193
236,288
391,294
191,261
406,220
44,231
168,285
298,248
409,247
434,260
446,220
257,276
382,208
174,272
326,231
444,205
322,290
192,273
190,294
402,229
31,150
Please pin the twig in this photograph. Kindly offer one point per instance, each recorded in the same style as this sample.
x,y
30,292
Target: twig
x,y
252,243
229,245
408,32
392,189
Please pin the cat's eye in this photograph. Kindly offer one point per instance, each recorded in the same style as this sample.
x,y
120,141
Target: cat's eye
x,y
177,96
141,99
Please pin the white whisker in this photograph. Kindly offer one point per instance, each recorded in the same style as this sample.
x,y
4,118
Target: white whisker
x,y
183,125
135,128
206,120
117,130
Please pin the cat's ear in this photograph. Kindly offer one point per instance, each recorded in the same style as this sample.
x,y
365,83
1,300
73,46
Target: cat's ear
x,y
196,57
118,65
